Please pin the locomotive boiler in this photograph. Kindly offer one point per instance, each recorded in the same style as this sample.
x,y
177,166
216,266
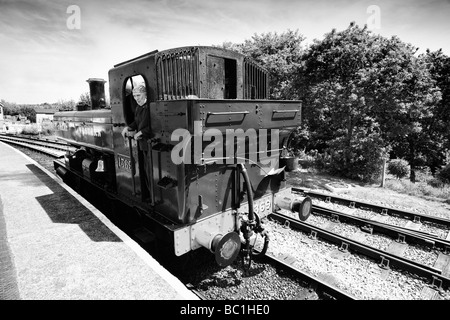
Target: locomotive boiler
x,y
213,156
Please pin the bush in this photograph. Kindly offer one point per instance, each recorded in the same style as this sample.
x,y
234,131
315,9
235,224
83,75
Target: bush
x,y
398,168
361,160
435,183
31,129
423,174
48,128
444,174
322,161
314,159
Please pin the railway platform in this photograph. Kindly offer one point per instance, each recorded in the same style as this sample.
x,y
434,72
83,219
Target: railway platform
x,y
47,254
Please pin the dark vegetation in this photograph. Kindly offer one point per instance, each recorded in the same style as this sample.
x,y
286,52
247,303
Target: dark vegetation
x,y
367,99
29,110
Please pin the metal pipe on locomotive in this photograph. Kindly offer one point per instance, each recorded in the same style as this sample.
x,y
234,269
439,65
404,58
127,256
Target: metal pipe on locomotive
x,y
210,183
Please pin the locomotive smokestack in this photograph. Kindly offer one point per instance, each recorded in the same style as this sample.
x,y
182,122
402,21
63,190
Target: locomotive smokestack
x,y
97,92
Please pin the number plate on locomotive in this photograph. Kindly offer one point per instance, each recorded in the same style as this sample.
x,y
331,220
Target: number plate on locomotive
x,y
262,207
123,162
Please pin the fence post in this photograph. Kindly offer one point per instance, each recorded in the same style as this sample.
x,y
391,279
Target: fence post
x,y
383,174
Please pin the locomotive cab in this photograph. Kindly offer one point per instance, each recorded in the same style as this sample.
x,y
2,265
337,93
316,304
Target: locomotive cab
x,y
212,171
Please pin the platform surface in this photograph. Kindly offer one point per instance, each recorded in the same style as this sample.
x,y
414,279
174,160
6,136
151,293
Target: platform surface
x,y
47,254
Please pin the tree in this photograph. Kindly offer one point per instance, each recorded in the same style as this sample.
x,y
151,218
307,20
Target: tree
x,y
334,84
28,112
280,54
444,174
438,126
407,95
85,98
358,85
66,105
365,97
10,108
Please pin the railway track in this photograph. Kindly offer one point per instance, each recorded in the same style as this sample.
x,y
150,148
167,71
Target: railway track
x,y
321,287
400,234
271,277
385,211
404,225
403,246
52,148
385,260
433,280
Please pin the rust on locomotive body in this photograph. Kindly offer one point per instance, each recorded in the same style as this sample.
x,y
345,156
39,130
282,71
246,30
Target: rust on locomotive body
x,y
206,93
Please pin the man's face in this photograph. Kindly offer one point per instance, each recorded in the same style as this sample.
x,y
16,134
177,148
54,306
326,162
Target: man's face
x,y
140,97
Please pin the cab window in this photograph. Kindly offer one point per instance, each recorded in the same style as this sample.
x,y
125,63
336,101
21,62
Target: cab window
x,y
129,104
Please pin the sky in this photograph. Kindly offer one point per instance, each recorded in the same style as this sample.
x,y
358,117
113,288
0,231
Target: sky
x,y
48,49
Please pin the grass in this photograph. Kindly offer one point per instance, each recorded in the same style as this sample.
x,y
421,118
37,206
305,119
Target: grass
x,y
395,192
426,186
418,189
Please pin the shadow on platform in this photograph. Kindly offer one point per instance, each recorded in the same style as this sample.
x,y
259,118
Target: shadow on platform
x,y
62,207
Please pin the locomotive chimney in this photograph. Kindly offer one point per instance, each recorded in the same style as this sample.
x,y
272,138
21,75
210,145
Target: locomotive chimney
x,y
97,92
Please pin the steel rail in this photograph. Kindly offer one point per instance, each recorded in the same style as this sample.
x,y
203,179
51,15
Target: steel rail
x,y
419,233
437,280
39,138
38,141
56,144
39,148
288,262
194,290
376,208
402,234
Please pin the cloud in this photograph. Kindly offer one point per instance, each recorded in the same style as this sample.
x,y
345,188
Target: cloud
x,y
40,53
40,22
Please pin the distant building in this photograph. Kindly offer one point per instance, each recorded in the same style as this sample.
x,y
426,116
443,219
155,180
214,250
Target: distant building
x,y
10,118
45,114
23,120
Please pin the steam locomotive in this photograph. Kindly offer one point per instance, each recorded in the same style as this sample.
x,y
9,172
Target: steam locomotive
x,y
213,157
